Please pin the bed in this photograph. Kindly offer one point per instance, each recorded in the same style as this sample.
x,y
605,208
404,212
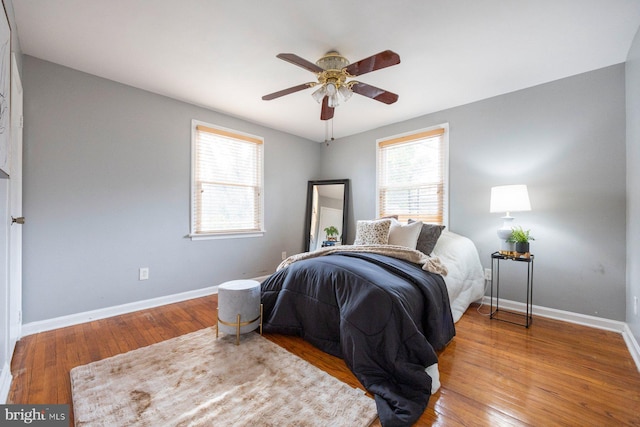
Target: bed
x,y
385,309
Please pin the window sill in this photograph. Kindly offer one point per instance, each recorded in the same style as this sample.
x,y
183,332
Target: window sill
x,y
219,236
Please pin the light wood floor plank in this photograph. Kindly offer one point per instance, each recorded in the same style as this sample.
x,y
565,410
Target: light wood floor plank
x,y
492,373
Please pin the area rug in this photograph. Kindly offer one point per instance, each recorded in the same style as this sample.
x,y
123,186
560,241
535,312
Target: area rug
x,y
196,380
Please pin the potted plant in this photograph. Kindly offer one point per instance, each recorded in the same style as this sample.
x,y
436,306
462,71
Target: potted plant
x,y
521,238
332,233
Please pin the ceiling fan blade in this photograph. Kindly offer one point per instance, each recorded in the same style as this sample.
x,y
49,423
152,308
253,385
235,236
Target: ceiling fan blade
x,y
374,93
327,112
376,62
300,62
284,92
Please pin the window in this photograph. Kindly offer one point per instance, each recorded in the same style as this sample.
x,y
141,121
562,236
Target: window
x,y
226,185
413,176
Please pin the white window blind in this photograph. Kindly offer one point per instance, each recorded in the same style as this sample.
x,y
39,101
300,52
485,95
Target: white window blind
x,y
227,188
412,176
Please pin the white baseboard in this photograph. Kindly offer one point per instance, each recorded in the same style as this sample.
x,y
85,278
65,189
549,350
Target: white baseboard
x,y
632,344
580,319
5,383
261,278
566,316
88,316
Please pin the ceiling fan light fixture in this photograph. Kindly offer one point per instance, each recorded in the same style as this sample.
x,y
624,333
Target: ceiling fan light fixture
x,y
345,92
319,94
334,100
331,89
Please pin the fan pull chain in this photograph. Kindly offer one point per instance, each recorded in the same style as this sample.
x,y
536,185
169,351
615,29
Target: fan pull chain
x,y
326,132
332,139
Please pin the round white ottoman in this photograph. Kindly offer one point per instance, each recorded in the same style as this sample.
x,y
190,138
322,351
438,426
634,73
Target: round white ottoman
x,y
239,308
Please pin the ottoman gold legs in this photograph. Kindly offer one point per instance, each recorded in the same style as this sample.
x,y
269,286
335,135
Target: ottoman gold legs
x,y
237,324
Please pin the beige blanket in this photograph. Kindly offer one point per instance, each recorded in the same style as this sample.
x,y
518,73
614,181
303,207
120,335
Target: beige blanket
x,y
430,264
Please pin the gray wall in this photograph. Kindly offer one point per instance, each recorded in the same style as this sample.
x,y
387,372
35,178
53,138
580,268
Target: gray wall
x,y
566,141
106,191
633,183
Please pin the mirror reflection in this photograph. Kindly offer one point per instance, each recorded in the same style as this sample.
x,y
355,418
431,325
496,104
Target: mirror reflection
x,y
326,221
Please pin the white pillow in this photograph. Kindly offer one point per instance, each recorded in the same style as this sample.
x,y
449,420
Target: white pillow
x,y
404,235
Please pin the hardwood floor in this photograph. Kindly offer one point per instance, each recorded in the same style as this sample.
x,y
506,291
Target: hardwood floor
x,y
493,373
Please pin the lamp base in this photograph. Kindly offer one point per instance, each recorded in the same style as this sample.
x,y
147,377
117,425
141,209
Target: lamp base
x,y
507,248
504,232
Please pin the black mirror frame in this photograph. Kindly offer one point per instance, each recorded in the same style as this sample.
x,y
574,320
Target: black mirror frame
x,y
345,204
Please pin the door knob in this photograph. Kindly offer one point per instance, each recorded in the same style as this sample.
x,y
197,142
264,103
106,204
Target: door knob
x,y
19,220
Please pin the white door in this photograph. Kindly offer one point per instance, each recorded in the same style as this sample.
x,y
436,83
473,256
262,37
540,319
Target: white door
x,y
15,210
328,217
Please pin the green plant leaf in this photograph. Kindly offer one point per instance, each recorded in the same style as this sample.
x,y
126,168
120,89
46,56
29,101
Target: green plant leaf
x,y
518,235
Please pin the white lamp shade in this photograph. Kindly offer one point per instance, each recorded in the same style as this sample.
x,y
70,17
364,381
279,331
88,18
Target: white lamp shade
x,y
509,198
345,92
333,100
319,94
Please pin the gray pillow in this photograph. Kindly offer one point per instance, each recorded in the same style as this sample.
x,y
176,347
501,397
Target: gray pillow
x,y
428,237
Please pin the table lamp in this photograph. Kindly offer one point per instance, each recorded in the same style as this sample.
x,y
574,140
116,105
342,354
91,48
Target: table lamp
x,y
508,198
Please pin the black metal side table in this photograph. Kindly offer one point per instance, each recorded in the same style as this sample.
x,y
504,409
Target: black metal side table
x,y
496,258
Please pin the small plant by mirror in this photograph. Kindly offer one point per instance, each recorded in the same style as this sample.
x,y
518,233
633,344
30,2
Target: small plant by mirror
x,y
518,235
331,232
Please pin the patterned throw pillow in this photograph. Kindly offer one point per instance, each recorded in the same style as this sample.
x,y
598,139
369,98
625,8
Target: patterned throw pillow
x,y
428,237
372,232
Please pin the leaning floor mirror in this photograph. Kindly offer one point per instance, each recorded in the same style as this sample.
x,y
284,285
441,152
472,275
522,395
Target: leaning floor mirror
x,y
326,219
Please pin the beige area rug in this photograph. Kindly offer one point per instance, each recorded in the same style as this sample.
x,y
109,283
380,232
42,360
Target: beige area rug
x,y
196,380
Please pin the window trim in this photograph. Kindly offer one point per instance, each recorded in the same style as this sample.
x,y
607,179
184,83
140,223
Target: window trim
x,y
230,234
407,136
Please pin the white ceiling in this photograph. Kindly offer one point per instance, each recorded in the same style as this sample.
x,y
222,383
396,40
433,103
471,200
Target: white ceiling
x,y
222,54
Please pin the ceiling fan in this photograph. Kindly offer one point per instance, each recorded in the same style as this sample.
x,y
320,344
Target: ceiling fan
x,y
333,71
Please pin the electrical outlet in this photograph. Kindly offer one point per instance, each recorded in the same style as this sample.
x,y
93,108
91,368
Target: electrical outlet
x,y
143,273
284,255
487,274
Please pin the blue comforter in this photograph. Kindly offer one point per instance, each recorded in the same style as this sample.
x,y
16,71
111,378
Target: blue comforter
x,y
384,316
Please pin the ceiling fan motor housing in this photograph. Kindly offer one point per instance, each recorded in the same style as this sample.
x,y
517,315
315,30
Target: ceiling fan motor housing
x,y
333,65
332,61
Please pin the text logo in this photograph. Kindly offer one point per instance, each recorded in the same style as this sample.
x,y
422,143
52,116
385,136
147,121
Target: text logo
x,y
34,415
